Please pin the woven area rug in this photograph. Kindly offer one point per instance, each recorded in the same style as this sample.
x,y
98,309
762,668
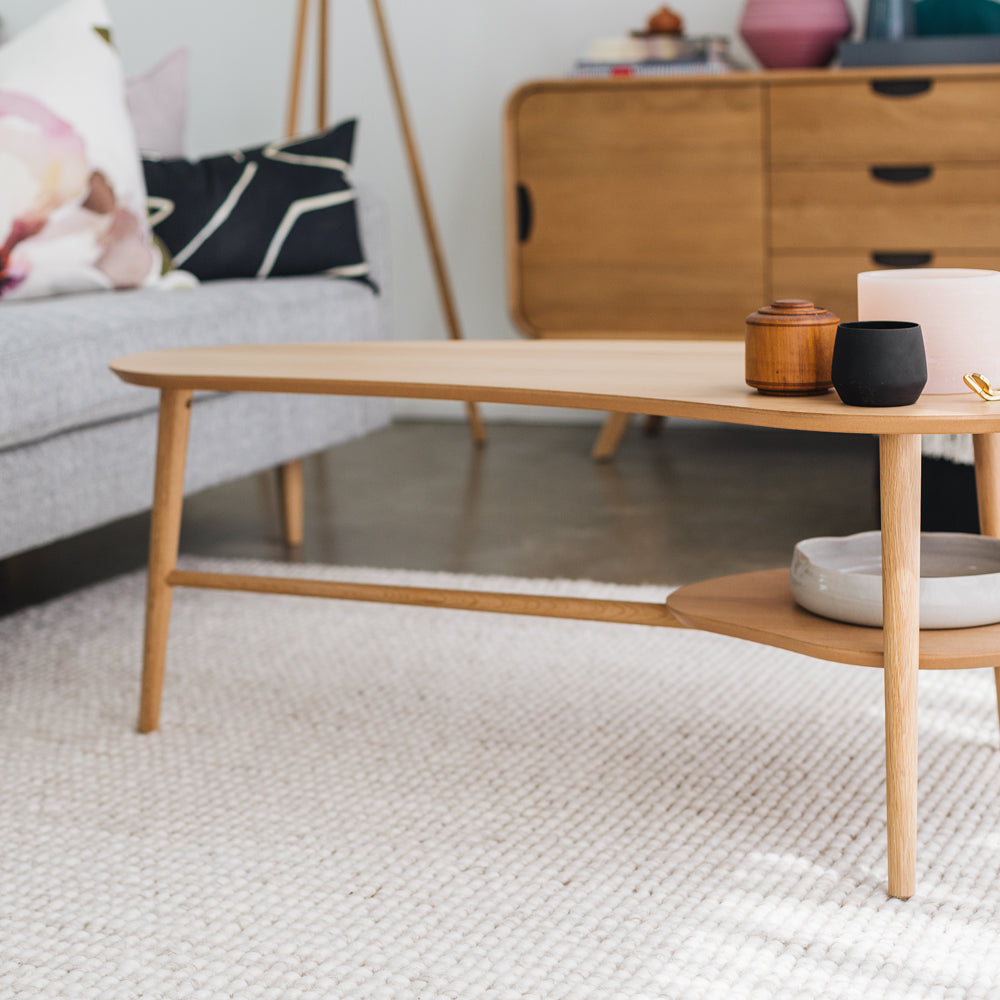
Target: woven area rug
x,y
368,801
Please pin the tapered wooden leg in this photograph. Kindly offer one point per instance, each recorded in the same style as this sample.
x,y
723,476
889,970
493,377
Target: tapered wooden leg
x,y
476,426
434,244
322,65
900,482
290,489
298,65
610,437
164,539
653,424
986,448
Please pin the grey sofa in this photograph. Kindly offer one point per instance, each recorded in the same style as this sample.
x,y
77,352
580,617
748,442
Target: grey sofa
x,y
77,444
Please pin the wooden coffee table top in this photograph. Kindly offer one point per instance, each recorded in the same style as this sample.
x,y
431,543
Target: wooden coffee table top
x,y
697,379
672,378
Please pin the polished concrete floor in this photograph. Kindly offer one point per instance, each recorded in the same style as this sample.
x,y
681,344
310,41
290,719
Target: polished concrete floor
x,y
693,501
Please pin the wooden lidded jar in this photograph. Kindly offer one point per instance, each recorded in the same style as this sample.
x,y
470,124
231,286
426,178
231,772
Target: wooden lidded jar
x,y
789,348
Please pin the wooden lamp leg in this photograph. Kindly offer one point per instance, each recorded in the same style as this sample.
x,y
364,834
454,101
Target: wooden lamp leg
x,y
413,159
298,67
164,540
424,203
900,482
986,449
323,65
290,473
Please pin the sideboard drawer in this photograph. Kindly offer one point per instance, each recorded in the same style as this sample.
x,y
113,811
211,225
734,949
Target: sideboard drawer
x,y
676,206
851,121
830,279
899,207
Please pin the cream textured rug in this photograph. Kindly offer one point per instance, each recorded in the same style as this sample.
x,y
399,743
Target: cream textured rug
x,y
366,801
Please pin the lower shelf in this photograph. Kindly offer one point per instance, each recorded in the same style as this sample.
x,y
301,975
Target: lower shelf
x,y
759,607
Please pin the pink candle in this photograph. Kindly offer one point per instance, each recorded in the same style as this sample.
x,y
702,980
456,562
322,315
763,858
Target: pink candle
x,y
958,310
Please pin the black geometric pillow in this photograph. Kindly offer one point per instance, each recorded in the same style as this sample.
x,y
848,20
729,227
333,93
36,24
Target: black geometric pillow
x,y
280,209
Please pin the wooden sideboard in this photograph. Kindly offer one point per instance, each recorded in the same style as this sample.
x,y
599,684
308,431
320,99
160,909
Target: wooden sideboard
x,y
658,208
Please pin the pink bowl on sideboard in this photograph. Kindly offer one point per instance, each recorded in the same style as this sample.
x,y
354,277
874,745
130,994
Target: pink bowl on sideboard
x,y
784,34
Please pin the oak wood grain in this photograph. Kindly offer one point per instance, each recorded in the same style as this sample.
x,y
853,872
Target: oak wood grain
x,y
838,118
635,197
644,194
986,451
759,607
164,538
829,277
703,380
956,208
899,460
539,605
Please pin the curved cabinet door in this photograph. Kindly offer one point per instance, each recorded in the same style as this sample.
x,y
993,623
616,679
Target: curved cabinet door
x,y
636,208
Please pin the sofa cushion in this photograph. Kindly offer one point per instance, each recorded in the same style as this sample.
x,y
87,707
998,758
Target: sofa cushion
x,y
54,353
72,202
282,209
157,104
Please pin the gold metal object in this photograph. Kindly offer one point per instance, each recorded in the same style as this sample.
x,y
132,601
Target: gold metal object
x,y
981,386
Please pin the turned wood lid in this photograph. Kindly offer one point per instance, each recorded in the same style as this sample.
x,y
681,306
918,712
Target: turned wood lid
x,y
792,312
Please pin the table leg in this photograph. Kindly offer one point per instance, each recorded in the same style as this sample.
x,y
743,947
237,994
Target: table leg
x,y
612,431
986,448
290,495
164,539
900,485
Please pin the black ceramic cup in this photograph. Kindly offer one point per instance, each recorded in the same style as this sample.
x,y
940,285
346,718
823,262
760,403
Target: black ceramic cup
x,y
879,363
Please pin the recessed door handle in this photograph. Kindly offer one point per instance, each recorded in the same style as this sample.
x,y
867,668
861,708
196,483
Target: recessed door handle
x,y
884,259
901,88
525,214
902,175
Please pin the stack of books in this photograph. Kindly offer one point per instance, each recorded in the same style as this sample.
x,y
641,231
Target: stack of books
x,y
641,55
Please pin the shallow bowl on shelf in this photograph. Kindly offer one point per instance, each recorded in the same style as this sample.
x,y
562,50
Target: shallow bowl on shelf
x,y
841,578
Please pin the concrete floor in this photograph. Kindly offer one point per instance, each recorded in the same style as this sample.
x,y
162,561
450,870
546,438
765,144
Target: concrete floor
x,y
696,500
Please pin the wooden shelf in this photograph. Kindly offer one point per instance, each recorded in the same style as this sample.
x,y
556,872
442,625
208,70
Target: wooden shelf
x,y
759,607
645,207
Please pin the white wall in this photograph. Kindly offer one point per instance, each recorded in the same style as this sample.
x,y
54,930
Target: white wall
x,y
459,60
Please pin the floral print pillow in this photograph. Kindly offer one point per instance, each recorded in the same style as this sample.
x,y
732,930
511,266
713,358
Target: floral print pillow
x,y
72,195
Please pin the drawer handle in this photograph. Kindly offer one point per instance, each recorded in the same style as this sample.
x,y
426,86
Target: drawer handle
x,y
902,175
525,214
901,88
901,259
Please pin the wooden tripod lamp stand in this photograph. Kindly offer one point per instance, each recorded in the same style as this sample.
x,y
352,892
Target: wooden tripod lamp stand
x,y
413,158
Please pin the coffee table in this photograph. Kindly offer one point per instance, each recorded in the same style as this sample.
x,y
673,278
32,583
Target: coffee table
x,y
696,379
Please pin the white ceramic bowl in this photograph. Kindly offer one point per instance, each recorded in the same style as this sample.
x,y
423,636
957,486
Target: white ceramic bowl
x,y
841,578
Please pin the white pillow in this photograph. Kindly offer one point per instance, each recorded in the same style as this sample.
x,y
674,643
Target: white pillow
x,y
72,194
